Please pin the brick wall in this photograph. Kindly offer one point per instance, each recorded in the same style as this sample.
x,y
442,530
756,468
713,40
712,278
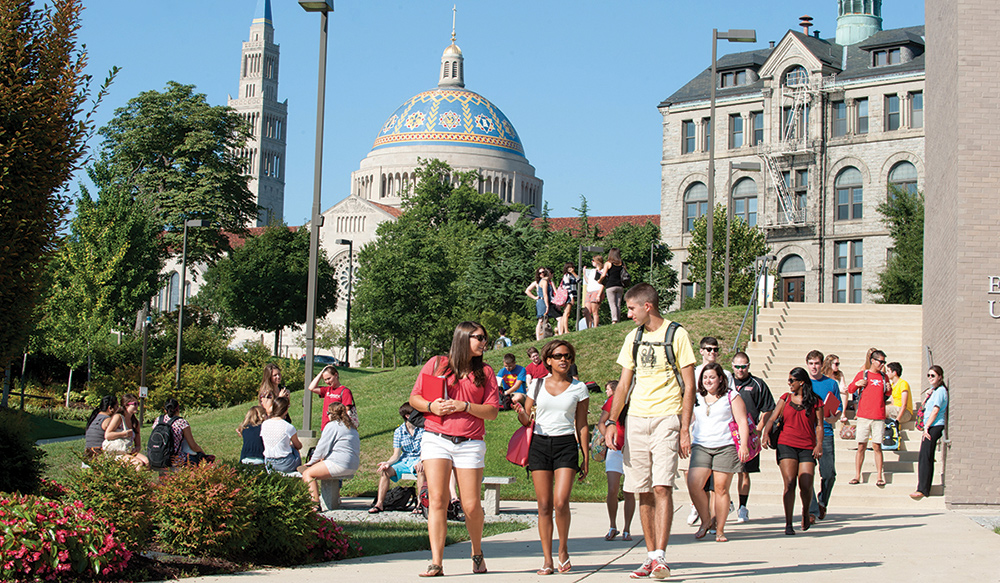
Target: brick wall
x,y
961,247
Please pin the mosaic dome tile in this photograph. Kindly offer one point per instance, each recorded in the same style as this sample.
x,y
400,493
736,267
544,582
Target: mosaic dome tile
x,y
449,116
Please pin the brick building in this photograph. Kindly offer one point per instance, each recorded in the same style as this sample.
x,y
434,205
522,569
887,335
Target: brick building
x,y
831,124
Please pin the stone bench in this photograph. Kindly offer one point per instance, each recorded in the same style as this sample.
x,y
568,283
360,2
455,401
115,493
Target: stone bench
x,y
491,501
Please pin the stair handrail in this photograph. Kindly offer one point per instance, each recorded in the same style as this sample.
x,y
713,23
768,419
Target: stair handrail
x,y
760,267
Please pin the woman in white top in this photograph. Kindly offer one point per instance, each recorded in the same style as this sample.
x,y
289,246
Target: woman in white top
x,y
713,452
560,424
594,291
281,441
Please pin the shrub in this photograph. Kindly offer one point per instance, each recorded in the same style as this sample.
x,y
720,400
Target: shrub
x,y
22,459
51,489
116,491
203,511
283,516
331,542
46,539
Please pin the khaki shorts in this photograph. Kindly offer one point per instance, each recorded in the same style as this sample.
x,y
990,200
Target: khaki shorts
x,y
651,452
873,428
891,411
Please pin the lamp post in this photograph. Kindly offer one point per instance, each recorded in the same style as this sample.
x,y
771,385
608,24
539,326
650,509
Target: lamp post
x,y
350,284
180,304
736,36
316,221
749,167
579,273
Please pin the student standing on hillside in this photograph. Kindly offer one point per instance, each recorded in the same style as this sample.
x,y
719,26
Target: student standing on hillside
x,y
823,386
759,404
874,387
535,369
333,392
657,427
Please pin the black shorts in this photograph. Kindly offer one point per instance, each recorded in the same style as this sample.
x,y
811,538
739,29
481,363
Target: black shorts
x,y
787,452
549,453
752,466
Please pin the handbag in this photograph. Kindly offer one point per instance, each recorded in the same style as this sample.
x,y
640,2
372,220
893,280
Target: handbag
x,y
520,443
598,448
120,445
734,429
776,427
848,432
561,297
625,277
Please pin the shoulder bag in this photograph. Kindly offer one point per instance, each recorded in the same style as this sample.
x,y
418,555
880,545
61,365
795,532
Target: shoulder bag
x,y
777,426
520,443
734,429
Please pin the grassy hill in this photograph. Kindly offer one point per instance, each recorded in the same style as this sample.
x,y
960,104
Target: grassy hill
x,y
379,394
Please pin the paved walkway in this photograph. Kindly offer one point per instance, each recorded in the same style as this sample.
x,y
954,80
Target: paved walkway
x,y
850,545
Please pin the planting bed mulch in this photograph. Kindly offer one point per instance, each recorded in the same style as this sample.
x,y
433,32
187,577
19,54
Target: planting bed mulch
x,y
155,566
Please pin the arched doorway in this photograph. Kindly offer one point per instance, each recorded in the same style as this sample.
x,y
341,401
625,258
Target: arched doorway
x,y
793,279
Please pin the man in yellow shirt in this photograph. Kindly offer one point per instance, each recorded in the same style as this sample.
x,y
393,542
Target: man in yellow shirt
x,y
657,428
901,408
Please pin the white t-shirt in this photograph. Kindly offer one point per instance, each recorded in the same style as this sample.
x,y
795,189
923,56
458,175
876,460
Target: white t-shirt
x,y
710,426
556,415
277,437
591,276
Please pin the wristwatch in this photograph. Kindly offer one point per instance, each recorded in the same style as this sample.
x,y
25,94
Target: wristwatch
x,y
610,422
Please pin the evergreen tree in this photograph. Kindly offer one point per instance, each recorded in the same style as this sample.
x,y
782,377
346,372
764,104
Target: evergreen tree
x,y
902,280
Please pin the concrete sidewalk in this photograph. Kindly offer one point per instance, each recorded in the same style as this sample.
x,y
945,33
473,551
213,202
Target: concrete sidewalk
x,y
850,545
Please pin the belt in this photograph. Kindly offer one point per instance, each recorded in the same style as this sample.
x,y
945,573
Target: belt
x,y
452,438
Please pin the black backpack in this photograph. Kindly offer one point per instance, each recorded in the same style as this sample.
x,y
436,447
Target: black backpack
x,y
160,448
400,498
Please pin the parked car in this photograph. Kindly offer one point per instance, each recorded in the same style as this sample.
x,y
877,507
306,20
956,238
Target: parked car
x,y
324,360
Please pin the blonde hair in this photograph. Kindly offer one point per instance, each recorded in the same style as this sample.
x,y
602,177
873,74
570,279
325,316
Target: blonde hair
x,y
338,413
255,416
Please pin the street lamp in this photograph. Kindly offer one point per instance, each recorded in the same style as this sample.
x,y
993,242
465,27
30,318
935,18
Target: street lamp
x,y
748,167
579,273
734,36
350,284
180,305
323,7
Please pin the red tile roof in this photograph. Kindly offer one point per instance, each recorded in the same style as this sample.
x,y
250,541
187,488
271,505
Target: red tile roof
x,y
392,210
236,241
604,224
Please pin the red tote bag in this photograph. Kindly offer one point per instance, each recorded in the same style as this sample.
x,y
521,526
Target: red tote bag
x,y
520,444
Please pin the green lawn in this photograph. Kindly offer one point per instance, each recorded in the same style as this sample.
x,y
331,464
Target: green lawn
x,y
379,395
43,427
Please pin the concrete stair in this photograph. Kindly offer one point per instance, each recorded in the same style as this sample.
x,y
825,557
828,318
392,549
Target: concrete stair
x,y
785,333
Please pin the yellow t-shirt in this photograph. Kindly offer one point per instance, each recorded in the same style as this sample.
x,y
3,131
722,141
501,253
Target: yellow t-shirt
x,y
657,392
897,395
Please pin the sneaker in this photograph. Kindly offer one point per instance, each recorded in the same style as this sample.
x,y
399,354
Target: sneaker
x,y
660,570
643,571
693,517
743,515
732,507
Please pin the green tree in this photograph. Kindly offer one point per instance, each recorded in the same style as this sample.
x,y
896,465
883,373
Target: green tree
x,y
178,153
262,285
746,244
636,243
902,280
43,136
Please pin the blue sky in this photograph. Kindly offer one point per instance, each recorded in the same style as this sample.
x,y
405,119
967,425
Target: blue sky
x,y
580,80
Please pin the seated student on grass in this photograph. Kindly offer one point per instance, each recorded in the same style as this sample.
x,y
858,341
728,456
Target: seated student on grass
x,y
405,458
281,440
338,453
511,379
253,445
186,450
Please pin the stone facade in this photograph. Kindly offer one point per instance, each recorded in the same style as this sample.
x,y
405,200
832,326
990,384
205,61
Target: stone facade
x,y
961,253
830,257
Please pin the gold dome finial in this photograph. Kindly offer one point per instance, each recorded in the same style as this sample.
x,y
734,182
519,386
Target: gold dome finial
x,y
454,10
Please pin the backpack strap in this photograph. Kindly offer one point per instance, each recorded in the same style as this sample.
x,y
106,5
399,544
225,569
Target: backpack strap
x,y
668,349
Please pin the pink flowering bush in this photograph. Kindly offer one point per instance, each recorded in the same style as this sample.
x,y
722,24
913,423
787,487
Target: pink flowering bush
x,y
330,543
49,540
51,489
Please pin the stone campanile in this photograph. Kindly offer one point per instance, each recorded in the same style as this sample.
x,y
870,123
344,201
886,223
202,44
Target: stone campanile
x,y
257,103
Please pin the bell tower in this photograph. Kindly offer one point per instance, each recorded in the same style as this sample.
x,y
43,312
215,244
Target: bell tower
x,y
857,20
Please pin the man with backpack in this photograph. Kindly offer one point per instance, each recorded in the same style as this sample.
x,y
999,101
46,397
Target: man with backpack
x,y
658,357
874,386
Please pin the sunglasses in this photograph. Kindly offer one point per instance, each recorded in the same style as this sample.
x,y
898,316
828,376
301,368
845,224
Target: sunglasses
x,y
878,361
710,348
792,381
479,337
561,356
132,404
931,375
741,366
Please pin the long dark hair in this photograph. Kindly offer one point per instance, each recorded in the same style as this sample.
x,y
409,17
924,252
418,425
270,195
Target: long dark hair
x,y
171,407
810,399
108,403
130,398
461,359
720,372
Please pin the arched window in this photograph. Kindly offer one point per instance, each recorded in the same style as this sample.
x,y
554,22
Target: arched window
x,y
695,204
904,177
792,265
173,292
745,201
850,194
796,76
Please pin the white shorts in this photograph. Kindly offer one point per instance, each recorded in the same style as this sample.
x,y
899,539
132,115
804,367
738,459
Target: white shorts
x,y
470,454
614,461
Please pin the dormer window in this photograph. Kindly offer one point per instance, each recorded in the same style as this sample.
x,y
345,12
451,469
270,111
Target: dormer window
x,y
886,57
734,78
796,76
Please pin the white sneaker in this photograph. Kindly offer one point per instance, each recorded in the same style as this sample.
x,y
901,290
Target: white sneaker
x,y
693,517
743,515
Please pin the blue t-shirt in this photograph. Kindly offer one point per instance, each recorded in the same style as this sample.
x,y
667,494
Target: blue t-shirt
x,y
509,377
822,388
939,399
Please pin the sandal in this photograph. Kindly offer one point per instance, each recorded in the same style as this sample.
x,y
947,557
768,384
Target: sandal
x,y
789,530
721,538
880,483
702,531
545,571
374,510
433,571
564,566
477,564
612,533
626,535
854,482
